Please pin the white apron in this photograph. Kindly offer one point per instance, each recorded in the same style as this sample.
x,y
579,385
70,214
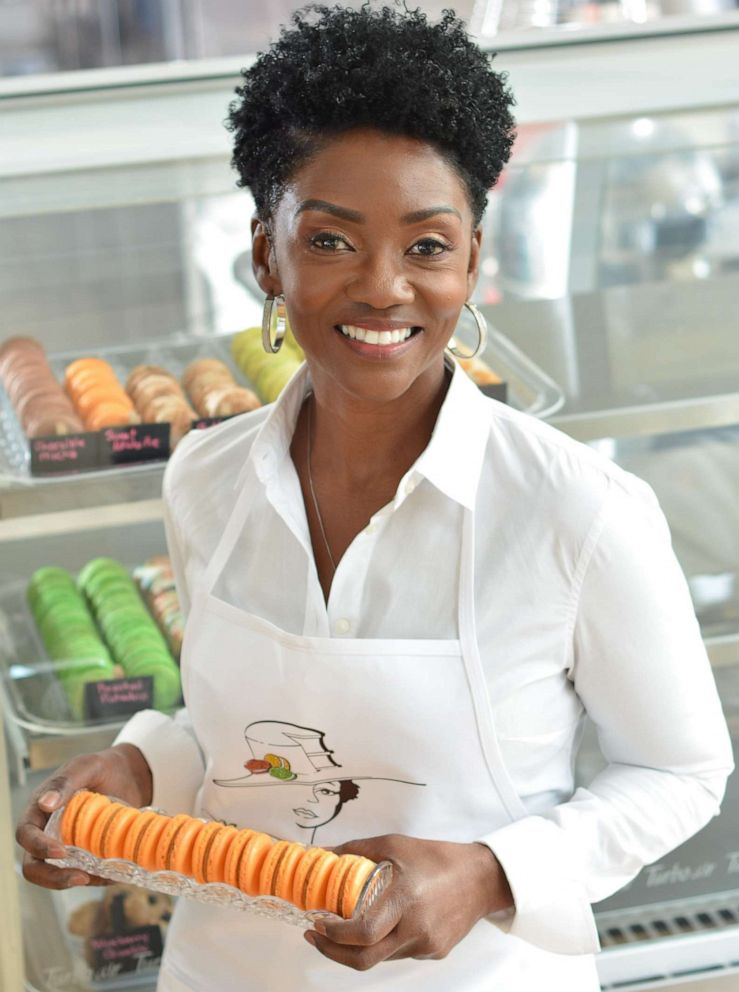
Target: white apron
x,y
381,736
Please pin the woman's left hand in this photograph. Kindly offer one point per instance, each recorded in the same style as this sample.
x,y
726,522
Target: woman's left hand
x,y
438,892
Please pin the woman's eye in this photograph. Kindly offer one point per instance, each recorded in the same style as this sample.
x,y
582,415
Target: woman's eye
x,y
329,242
429,247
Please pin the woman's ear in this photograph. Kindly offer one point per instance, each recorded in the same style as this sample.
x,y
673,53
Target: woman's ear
x,y
263,261
473,269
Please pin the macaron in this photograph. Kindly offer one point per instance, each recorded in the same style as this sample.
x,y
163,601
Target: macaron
x,y
252,859
271,866
202,847
132,843
310,857
145,853
102,821
113,837
87,819
178,856
315,886
72,809
214,864
233,857
284,873
352,886
337,882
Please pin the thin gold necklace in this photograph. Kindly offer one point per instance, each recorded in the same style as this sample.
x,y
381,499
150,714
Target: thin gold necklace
x,y
312,487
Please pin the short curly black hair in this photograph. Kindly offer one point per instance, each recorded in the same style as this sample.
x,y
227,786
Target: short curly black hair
x,y
337,69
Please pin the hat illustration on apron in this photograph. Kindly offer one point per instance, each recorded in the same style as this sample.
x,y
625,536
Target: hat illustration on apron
x,y
288,754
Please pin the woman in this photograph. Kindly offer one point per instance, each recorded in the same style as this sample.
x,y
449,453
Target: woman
x,y
393,581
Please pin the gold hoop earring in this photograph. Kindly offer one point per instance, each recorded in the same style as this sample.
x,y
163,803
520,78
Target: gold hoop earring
x,y
482,331
274,312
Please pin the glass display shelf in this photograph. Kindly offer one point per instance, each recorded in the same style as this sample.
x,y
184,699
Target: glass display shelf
x,y
635,361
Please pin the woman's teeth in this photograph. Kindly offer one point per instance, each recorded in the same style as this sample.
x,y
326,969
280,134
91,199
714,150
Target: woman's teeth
x,y
376,337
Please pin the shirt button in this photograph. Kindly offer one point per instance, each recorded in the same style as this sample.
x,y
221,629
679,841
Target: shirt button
x,y
342,626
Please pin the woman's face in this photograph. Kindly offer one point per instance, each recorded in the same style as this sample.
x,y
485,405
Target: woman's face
x,y
372,239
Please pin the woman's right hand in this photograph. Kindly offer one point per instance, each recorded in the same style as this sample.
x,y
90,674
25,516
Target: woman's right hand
x,y
120,771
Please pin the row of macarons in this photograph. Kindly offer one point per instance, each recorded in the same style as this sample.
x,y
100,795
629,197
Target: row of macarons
x,y
99,628
91,397
210,851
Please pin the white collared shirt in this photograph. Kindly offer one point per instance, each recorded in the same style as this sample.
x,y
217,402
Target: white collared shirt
x,y
581,608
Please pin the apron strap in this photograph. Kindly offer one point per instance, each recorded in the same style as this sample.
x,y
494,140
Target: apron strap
x,y
476,675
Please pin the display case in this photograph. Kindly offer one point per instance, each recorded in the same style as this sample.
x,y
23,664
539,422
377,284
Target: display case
x,y
609,278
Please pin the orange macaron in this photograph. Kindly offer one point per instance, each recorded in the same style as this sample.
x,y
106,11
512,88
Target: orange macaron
x,y
214,862
233,857
252,859
113,836
102,820
352,886
87,819
201,849
305,866
315,887
145,852
179,858
346,882
68,826
284,873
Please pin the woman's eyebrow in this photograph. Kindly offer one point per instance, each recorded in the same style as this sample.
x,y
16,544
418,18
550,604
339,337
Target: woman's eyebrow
x,y
344,213
331,208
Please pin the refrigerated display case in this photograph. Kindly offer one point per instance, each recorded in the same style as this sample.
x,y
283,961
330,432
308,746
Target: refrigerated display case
x,y
610,275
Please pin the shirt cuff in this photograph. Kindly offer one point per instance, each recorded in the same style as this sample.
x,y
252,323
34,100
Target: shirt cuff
x,y
552,910
173,755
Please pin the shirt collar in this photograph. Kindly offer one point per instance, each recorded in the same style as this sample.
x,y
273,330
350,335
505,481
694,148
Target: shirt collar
x,y
451,462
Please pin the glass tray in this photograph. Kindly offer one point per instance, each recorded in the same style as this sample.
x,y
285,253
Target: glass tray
x,y
529,389
33,694
173,355
215,893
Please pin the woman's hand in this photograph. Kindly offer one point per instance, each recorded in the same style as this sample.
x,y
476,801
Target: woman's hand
x,y
438,892
120,771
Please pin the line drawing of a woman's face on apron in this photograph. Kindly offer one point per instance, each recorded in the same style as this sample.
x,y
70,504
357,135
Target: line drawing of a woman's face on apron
x,y
323,803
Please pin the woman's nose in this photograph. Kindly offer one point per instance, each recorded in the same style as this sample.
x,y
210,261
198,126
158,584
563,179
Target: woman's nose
x,y
379,280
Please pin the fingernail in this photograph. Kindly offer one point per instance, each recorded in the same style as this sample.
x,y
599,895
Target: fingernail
x,y
50,799
78,879
310,937
56,852
320,928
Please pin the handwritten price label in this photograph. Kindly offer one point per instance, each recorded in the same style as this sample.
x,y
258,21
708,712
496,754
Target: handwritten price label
x,y
125,951
53,454
117,697
136,443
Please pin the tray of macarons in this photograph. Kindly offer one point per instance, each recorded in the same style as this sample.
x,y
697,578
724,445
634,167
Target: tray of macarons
x,y
214,862
90,648
123,407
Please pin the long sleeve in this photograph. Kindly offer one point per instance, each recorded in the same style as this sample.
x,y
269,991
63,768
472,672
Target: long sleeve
x,y
639,667
169,743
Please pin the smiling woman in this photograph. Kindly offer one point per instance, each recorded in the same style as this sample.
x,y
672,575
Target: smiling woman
x,y
404,597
